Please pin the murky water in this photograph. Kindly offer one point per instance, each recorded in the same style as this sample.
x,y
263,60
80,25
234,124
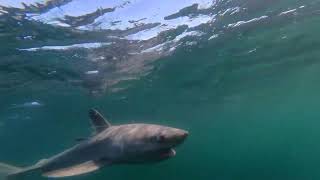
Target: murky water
x,y
241,76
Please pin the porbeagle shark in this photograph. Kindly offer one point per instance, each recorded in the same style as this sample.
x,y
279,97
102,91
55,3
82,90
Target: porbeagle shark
x,y
109,145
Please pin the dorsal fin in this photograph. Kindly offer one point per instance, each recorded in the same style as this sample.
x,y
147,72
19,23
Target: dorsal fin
x,y
98,121
41,161
80,139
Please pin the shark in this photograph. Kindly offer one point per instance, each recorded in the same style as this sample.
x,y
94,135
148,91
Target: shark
x,y
108,145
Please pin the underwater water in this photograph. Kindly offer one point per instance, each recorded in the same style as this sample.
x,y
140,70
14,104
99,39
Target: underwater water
x,y
241,76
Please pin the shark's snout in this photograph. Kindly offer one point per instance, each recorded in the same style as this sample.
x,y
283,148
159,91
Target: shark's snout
x,y
171,138
178,136
183,135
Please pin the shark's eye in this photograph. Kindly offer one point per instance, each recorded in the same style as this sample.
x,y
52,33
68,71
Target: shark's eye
x,y
160,138
157,138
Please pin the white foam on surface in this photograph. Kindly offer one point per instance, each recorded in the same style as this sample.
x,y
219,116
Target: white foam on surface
x,y
213,36
126,15
230,11
185,34
92,72
18,3
239,23
74,46
172,43
288,12
171,24
3,11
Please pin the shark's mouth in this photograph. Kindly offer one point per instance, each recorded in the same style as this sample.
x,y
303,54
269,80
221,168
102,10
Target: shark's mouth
x,y
168,153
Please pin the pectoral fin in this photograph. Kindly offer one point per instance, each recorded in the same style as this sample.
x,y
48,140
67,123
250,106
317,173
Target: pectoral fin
x,y
78,169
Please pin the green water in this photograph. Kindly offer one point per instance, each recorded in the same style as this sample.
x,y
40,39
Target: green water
x,y
251,116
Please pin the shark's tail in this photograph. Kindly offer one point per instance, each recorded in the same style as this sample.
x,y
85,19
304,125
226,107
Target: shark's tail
x,y
7,170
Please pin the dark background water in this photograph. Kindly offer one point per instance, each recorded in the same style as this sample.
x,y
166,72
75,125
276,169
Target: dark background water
x,y
249,98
